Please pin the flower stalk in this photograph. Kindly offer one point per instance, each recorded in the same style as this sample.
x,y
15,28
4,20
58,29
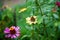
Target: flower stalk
x,y
15,23
43,23
14,18
1,4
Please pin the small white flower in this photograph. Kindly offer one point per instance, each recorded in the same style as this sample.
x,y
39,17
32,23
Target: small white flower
x,y
31,20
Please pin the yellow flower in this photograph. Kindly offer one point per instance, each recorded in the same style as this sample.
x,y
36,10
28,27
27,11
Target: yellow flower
x,y
22,10
31,20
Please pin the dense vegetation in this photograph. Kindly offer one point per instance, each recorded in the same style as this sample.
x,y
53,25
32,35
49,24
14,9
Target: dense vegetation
x,y
36,19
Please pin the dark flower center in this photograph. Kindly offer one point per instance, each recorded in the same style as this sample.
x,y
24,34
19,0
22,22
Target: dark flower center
x,y
32,19
12,31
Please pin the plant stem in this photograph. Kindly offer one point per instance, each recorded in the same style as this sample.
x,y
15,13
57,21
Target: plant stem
x,y
14,18
14,39
32,33
1,4
44,25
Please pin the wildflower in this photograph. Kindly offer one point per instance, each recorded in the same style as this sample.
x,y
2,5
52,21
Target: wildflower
x,y
31,20
54,10
12,32
6,7
22,10
58,4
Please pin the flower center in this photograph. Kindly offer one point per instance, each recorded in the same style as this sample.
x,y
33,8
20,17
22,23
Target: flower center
x,y
32,19
12,31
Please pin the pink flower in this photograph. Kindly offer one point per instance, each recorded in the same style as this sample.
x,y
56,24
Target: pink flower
x,y
12,32
58,4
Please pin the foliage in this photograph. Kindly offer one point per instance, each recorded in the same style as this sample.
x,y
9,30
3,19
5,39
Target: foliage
x,y
48,20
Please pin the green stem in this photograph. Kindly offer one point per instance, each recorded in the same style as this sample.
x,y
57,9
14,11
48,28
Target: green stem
x,y
44,28
14,18
41,11
26,1
14,39
1,4
32,33
37,7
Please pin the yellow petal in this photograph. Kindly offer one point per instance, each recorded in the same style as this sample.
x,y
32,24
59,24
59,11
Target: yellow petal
x,y
34,16
28,19
22,10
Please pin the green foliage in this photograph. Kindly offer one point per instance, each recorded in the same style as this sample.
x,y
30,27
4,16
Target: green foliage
x,y
48,20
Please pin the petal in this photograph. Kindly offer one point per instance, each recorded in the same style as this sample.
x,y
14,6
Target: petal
x,y
34,16
17,28
13,27
13,36
6,36
9,35
17,34
35,22
30,23
17,31
6,30
27,21
22,10
28,18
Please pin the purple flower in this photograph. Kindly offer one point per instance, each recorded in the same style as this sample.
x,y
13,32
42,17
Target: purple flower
x,y
12,32
58,4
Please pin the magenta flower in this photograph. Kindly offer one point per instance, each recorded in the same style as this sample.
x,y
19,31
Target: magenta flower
x,y
12,32
58,4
